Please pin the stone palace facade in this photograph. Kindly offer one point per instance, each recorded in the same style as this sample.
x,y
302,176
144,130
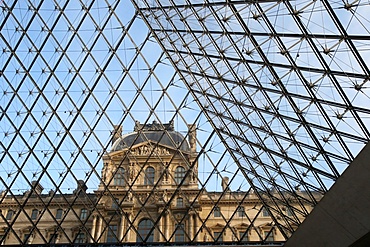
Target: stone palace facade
x,y
149,193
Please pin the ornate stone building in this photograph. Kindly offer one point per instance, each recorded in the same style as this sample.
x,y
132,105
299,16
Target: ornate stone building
x,y
149,193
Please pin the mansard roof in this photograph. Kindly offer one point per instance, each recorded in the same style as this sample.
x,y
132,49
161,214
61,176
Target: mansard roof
x,y
162,134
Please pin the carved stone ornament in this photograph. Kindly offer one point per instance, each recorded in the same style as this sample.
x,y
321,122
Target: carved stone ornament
x,y
146,150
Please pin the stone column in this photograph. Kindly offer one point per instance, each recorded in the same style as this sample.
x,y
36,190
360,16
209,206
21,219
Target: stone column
x,y
191,226
167,226
129,231
196,226
122,228
160,233
100,225
93,229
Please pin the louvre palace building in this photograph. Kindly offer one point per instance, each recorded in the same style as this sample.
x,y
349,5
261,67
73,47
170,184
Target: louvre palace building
x,y
139,200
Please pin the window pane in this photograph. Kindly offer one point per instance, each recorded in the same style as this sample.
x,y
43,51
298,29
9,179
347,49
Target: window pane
x,y
26,236
34,214
83,214
53,238
9,215
149,176
144,229
112,234
179,174
241,211
269,235
119,177
180,202
218,235
243,236
217,212
80,238
59,214
179,233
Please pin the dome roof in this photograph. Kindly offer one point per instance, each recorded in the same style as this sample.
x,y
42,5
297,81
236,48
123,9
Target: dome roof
x,y
168,138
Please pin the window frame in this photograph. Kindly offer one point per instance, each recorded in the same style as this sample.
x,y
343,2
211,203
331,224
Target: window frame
x,y
243,236
217,212
59,214
149,176
9,214
83,214
112,234
179,175
269,235
34,214
80,238
179,202
219,235
144,230
53,238
241,211
180,232
2,239
119,177
289,211
265,212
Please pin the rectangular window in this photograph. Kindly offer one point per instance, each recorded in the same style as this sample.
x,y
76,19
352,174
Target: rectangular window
x,y
269,236
26,238
34,214
112,234
180,233
53,238
179,202
9,215
83,215
218,236
243,236
265,212
80,238
241,211
115,203
217,212
289,212
59,214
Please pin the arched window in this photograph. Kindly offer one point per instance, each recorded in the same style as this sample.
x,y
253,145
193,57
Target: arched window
x,y
179,174
149,176
119,177
144,231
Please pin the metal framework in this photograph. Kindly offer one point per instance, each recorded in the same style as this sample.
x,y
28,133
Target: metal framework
x,y
278,92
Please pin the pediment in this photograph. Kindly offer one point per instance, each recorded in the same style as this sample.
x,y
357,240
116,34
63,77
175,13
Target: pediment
x,y
145,148
218,225
242,225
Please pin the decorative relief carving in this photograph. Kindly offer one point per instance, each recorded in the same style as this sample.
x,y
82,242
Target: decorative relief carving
x,y
146,150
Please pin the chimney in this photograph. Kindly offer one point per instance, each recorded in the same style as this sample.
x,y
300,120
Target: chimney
x,y
117,133
36,187
192,137
225,184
